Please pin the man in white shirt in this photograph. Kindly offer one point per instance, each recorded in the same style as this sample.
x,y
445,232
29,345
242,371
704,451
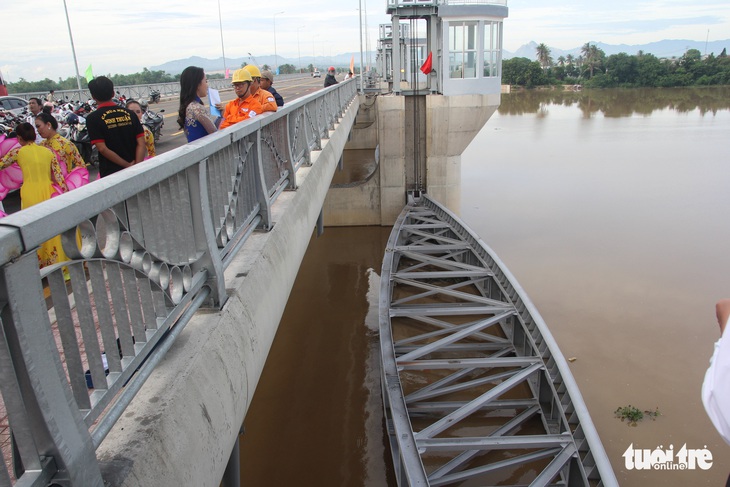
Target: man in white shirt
x,y
716,386
35,105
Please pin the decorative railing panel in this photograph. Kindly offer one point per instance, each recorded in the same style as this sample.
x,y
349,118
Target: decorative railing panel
x,y
147,247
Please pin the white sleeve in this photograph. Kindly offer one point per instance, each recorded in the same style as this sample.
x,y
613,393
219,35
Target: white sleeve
x,y
716,387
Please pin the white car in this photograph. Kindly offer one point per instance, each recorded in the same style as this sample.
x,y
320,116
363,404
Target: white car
x,y
316,74
13,104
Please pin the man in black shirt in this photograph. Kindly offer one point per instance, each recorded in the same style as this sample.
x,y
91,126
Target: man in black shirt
x,y
330,80
115,131
267,80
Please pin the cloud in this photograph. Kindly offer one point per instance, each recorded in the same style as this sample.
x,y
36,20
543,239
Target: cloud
x,y
138,33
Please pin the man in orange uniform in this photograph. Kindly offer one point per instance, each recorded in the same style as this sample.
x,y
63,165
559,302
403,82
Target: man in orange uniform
x,y
245,106
267,100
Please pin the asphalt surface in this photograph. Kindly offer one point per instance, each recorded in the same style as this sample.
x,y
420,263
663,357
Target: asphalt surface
x,y
172,137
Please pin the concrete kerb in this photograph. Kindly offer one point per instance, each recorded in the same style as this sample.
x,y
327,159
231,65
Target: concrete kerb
x,y
181,427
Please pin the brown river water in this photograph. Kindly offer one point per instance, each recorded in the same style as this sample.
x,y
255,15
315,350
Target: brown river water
x,y
610,208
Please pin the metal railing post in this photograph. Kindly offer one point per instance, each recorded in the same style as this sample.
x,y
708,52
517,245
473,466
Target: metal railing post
x,y
57,427
205,235
261,188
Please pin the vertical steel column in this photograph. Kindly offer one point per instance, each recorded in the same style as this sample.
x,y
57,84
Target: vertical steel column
x,y
435,35
396,55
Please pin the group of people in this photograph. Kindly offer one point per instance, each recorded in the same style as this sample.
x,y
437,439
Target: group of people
x,y
254,95
46,158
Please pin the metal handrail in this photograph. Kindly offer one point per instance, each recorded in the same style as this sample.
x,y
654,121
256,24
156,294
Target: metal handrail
x,y
147,247
136,92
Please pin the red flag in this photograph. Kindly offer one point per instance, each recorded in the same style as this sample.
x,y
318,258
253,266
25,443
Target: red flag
x,y
428,64
228,73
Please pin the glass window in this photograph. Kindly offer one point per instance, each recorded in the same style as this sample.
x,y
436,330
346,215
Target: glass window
x,y
492,48
463,49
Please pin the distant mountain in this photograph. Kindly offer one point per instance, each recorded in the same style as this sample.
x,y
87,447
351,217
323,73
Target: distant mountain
x,y
216,65
661,49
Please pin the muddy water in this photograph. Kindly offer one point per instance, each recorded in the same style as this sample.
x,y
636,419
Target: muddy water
x,y
316,417
611,210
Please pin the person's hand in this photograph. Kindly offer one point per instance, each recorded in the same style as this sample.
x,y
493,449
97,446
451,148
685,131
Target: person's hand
x,y
220,106
722,311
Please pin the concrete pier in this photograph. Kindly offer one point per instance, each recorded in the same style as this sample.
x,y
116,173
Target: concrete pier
x,y
451,123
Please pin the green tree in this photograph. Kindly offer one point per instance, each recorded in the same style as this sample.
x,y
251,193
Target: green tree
x,y
543,56
523,72
621,68
649,70
592,56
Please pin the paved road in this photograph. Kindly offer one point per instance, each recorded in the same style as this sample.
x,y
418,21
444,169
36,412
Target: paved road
x,y
290,89
173,137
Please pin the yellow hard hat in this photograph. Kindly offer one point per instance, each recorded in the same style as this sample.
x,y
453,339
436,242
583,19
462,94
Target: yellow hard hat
x,y
240,75
252,70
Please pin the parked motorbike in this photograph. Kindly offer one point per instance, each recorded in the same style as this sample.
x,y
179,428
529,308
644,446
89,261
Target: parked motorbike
x,y
154,121
154,96
79,135
8,121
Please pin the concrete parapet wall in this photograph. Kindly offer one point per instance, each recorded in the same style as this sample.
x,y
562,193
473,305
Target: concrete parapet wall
x,y
181,427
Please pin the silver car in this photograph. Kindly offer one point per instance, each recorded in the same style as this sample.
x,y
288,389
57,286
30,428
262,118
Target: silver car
x,y
13,104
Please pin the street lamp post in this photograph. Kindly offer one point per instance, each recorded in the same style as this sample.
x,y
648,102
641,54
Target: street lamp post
x,y
220,23
73,49
314,57
362,79
276,60
299,50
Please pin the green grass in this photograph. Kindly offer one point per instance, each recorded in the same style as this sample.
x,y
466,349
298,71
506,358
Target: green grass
x,y
632,415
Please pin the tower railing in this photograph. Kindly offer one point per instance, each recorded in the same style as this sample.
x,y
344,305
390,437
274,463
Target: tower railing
x,y
408,3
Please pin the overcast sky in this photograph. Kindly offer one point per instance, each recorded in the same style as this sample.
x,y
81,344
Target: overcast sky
x,y
124,37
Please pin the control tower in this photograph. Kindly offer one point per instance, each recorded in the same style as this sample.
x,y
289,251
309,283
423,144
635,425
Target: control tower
x,y
440,72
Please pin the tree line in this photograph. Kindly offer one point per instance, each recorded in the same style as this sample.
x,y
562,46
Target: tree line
x,y
142,78
593,69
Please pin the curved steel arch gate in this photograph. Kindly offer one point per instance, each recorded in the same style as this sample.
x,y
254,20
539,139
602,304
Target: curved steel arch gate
x,y
474,386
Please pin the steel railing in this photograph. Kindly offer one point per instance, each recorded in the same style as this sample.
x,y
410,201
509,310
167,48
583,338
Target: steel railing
x,y
147,246
135,92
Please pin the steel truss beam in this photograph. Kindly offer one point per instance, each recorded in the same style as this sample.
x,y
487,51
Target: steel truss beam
x,y
469,370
